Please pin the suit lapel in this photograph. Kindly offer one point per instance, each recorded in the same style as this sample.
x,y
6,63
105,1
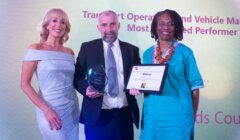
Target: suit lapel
x,y
125,60
100,52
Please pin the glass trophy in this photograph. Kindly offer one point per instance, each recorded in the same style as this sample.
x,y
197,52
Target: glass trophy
x,y
97,78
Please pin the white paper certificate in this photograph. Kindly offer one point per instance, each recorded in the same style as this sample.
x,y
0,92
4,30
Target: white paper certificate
x,y
147,77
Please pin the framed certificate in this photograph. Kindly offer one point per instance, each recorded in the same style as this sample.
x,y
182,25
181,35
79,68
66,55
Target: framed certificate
x,y
147,77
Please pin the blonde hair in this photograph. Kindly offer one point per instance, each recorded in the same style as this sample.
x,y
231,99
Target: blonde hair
x,y
47,17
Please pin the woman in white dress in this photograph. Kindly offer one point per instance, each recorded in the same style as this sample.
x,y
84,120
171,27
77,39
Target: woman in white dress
x,y
56,101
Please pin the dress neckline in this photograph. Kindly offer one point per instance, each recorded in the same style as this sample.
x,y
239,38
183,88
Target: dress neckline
x,y
52,52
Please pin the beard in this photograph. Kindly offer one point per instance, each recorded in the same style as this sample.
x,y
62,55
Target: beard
x,y
110,37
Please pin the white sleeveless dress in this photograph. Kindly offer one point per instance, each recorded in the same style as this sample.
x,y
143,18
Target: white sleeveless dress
x,y
55,71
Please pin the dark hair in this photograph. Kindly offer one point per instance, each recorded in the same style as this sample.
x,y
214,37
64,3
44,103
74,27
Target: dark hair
x,y
176,18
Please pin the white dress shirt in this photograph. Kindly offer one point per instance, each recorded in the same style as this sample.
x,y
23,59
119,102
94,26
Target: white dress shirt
x,y
121,100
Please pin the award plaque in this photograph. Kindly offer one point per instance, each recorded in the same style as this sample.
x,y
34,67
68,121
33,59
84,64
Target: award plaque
x,y
96,78
147,77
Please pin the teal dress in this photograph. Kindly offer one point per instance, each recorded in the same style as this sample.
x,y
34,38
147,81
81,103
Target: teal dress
x,y
169,116
55,71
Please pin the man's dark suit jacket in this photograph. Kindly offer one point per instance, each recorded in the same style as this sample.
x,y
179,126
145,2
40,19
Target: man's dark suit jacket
x,y
91,54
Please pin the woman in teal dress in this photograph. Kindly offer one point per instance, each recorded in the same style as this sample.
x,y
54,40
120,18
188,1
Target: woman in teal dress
x,y
171,115
56,102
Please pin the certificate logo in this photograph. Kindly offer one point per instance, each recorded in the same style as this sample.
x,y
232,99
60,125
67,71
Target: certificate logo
x,y
143,85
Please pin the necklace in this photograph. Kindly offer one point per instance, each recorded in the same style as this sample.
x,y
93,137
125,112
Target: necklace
x,y
159,53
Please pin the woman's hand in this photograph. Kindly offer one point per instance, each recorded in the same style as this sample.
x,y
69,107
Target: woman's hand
x,y
134,92
53,119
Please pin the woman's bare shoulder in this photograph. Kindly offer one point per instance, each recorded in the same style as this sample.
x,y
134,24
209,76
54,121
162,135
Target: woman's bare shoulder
x,y
68,50
35,46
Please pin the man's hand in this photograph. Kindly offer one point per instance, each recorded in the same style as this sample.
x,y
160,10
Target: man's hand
x,y
134,92
91,93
